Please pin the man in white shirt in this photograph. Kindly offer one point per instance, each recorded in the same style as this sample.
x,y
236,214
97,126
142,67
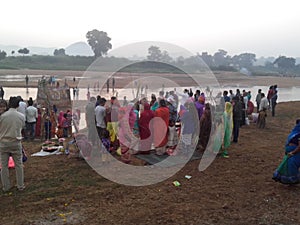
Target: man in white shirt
x,y
264,104
184,96
100,113
31,114
22,105
11,124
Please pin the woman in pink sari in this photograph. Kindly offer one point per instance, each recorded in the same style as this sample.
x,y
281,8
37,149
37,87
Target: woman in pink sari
x,y
145,129
127,118
160,128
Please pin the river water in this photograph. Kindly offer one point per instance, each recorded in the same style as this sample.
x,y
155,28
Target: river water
x,y
284,94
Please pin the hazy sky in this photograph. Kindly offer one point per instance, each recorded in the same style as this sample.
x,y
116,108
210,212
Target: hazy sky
x,y
264,27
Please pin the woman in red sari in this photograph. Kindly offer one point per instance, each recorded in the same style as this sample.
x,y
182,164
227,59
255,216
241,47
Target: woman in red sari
x,y
145,129
161,129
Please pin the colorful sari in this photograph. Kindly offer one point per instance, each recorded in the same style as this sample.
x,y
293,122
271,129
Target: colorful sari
x,y
112,123
291,174
205,127
144,126
228,124
161,130
154,106
127,118
53,122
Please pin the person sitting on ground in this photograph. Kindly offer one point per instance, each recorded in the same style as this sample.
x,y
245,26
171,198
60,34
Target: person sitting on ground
x,y
83,146
292,150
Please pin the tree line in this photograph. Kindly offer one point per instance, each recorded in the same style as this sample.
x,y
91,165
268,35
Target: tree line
x,y
100,44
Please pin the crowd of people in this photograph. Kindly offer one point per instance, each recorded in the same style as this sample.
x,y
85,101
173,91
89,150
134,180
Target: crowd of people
x,y
134,127
167,124
26,121
171,119
46,123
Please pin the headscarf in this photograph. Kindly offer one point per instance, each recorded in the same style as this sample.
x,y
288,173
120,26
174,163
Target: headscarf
x,y
201,99
146,106
144,121
294,132
60,116
131,114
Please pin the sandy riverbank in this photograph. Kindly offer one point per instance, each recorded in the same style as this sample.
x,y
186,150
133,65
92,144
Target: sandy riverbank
x,y
223,78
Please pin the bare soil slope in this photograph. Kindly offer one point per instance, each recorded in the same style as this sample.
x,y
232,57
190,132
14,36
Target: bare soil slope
x,y
237,190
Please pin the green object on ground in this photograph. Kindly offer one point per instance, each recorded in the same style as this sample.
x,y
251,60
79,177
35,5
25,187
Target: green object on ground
x,y
176,183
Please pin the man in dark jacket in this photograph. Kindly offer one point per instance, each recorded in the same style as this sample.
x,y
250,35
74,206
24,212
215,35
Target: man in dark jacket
x,y
237,117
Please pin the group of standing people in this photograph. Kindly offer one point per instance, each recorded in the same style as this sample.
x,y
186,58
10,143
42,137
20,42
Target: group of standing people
x,y
137,126
269,101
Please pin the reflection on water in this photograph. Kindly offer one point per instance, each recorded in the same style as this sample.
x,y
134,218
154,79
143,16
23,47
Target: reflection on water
x,y
12,78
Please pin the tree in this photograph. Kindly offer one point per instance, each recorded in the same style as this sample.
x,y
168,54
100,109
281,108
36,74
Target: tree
x,y
58,52
166,58
244,60
180,61
220,58
285,63
269,65
23,51
99,42
154,53
2,55
208,59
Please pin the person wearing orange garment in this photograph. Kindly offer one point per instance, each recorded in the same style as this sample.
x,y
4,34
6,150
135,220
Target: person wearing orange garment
x,y
161,129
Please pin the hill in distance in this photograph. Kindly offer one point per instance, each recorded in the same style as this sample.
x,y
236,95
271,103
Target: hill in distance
x,y
78,48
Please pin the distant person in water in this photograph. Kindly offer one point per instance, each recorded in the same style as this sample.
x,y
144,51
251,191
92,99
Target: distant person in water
x,y
26,80
107,86
113,85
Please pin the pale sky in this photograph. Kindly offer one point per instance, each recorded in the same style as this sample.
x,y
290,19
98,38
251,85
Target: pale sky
x,y
263,27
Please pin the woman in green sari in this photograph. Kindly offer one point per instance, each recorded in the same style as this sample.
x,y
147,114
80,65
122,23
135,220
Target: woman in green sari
x,y
228,126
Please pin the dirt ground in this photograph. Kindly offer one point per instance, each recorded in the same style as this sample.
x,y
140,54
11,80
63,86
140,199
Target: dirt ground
x,y
237,190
